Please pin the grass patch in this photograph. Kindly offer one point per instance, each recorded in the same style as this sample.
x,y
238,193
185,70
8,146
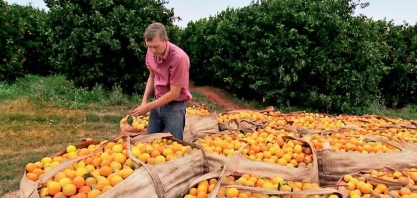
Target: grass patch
x,y
408,113
57,92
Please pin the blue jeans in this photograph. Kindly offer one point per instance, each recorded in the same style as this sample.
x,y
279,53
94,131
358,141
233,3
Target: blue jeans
x,y
170,117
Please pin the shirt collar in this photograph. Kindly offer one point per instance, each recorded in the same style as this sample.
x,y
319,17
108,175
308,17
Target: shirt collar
x,y
167,50
166,54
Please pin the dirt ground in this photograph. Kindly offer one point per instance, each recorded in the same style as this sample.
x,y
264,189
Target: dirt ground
x,y
216,96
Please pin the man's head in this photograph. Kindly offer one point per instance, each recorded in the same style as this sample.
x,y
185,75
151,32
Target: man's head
x,y
156,38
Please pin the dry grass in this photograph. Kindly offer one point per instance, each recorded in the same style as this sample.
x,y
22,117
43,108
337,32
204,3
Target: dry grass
x,y
30,132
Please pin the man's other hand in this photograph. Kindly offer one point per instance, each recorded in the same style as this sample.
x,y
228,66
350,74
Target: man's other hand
x,y
140,110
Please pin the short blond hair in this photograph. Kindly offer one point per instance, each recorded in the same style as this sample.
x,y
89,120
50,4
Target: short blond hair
x,y
155,30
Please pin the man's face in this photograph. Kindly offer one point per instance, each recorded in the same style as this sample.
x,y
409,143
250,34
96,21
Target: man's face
x,y
157,46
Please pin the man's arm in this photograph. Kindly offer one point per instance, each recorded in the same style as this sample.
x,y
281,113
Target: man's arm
x,y
149,88
179,72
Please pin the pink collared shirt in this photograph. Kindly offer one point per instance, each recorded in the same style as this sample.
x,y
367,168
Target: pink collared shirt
x,y
172,69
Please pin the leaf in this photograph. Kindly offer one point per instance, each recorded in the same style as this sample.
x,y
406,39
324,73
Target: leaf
x,y
87,175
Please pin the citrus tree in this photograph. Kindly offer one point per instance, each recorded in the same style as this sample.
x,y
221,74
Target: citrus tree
x,y
101,42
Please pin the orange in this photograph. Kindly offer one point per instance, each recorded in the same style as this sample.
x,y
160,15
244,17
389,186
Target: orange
x,y
32,176
214,181
193,191
299,157
160,159
30,167
96,162
116,165
90,181
405,191
81,195
60,195
115,180
94,193
84,189
106,188
38,171
69,190
78,181
53,187
58,176
119,157
102,183
243,195
201,195
298,149
105,171
232,192
202,188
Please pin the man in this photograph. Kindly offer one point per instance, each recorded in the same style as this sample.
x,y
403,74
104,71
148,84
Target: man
x,y
168,80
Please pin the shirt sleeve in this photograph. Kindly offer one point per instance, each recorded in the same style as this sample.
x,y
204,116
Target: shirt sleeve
x,y
179,73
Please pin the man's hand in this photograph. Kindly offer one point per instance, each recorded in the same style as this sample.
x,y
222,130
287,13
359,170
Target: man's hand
x,y
140,110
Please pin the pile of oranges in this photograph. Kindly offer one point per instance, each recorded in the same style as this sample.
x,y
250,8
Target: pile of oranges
x,y
105,165
205,187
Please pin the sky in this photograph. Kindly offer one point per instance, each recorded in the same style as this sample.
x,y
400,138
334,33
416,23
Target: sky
x,y
397,10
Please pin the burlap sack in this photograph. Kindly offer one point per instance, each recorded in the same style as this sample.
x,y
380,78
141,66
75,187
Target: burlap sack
x,y
304,193
409,146
216,174
128,130
267,109
200,125
224,171
29,188
392,189
391,121
341,184
404,125
366,119
408,143
308,132
167,180
333,165
245,125
239,163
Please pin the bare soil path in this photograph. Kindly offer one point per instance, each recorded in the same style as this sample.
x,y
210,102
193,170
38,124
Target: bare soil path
x,y
219,97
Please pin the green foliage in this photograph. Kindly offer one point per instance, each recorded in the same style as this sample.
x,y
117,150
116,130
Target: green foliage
x,y
11,55
399,86
306,54
35,25
101,42
290,52
23,41
199,41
